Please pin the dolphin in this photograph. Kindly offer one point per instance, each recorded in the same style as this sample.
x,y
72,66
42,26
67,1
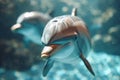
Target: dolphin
x,y
67,40
30,25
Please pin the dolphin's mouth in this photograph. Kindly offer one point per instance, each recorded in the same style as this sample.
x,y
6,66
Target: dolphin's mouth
x,y
49,50
16,26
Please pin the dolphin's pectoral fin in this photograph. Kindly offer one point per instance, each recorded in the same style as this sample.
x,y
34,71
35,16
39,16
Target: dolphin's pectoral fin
x,y
48,65
87,64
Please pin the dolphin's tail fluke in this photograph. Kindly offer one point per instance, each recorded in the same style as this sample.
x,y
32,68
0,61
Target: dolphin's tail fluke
x,y
87,64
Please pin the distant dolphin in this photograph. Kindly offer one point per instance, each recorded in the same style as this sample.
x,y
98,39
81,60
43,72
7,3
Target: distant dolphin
x,y
30,24
66,39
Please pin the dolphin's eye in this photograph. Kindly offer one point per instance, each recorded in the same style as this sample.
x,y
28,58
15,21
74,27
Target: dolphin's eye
x,y
43,44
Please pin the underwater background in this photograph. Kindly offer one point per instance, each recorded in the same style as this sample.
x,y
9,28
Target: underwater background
x,y
19,56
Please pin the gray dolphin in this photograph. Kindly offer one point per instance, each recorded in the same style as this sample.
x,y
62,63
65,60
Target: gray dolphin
x,y
66,40
29,25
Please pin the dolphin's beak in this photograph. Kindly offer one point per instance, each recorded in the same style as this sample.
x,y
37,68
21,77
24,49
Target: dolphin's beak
x,y
49,50
16,26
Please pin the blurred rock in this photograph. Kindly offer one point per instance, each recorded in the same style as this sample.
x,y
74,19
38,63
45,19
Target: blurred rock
x,y
14,55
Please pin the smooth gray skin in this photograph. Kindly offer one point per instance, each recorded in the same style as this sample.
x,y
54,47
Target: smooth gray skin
x,y
33,16
71,35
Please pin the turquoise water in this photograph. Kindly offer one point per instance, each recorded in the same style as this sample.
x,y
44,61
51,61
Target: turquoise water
x,y
18,59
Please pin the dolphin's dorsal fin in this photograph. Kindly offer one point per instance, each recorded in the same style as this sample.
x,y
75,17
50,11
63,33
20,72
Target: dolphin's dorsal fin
x,y
74,12
87,64
48,65
50,12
